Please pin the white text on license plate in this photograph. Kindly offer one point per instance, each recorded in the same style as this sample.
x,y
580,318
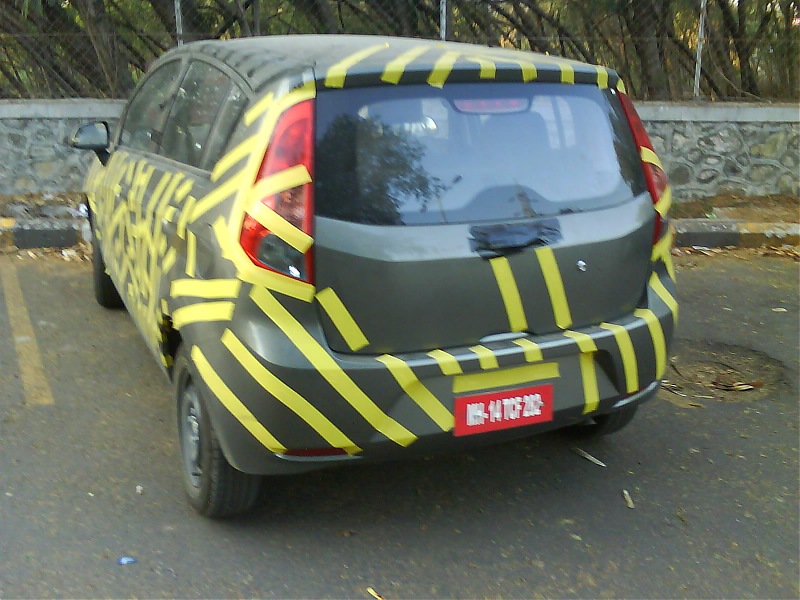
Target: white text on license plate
x,y
502,410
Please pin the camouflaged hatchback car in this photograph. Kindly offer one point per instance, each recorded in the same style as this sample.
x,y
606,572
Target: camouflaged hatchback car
x,y
345,249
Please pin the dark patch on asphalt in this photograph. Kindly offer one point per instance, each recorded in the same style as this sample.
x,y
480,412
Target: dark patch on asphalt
x,y
701,371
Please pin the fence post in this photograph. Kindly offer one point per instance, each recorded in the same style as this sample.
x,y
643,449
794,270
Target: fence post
x,y
178,22
698,61
443,19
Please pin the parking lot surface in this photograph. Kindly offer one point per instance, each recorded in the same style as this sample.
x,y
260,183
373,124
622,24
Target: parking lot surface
x,y
90,473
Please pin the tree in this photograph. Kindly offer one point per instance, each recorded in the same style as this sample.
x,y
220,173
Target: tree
x,y
100,48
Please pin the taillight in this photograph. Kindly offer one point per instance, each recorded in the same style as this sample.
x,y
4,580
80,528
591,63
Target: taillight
x,y
654,175
292,145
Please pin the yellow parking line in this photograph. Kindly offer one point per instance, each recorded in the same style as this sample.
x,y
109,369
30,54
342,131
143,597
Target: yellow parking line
x,y
32,373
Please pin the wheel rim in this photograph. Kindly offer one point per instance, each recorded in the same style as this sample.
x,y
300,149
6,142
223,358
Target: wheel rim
x,y
191,434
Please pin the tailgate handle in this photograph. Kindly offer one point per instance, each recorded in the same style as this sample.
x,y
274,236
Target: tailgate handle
x,y
490,241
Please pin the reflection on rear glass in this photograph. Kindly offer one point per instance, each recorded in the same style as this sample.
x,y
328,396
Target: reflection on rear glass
x,y
486,107
471,152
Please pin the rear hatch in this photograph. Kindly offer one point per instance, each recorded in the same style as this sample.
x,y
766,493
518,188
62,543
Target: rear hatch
x,y
443,216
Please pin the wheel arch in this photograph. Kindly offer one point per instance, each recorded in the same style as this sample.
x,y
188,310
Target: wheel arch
x,y
170,340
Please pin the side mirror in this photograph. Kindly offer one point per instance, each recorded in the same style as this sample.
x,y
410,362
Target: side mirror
x,y
92,136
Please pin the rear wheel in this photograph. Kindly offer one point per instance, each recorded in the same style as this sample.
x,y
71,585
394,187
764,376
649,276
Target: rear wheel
x,y
605,424
105,292
213,486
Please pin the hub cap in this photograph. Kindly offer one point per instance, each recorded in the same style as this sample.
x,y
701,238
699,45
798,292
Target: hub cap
x,y
190,434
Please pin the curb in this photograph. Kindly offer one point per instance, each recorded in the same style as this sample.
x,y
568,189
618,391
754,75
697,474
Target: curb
x,y
708,233
718,233
43,232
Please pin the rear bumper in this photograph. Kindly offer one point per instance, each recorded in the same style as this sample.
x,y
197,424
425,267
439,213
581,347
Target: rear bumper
x,y
282,387
446,442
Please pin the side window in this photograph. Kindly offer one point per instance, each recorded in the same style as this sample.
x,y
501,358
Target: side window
x,y
232,108
148,108
197,105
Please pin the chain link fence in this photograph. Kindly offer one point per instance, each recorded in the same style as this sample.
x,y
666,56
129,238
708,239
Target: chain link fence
x,y
664,49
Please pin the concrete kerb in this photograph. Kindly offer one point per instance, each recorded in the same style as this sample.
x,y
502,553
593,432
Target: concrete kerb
x,y
718,233
43,232
709,233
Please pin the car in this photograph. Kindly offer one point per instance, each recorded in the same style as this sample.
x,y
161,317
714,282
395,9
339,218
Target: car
x,y
345,249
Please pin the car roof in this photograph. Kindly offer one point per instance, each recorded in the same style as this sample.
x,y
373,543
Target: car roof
x,y
359,60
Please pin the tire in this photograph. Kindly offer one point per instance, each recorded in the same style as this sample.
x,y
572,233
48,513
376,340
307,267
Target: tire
x,y
214,488
105,292
605,424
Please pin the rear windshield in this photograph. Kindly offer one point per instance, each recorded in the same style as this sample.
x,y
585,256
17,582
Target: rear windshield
x,y
414,155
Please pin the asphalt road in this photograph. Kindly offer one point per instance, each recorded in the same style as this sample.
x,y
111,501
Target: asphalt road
x,y
86,417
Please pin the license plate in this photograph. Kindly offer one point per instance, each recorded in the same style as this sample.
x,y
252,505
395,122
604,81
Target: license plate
x,y
503,410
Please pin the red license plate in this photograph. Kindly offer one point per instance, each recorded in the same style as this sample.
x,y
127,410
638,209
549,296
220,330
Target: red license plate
x,y
503,410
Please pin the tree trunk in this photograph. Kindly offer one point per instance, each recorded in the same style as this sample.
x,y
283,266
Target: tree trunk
x,y
110,53
320,13
737,32
789,49
43,60
639,18
481,23
560,28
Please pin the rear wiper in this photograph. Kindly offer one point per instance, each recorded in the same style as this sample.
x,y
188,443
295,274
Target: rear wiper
x,y
490,241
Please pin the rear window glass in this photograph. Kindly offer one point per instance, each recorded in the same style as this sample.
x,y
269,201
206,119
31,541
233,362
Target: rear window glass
x,y
410,155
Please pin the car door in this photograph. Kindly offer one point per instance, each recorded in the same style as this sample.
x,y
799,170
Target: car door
x,y
124,183
124,177
206,107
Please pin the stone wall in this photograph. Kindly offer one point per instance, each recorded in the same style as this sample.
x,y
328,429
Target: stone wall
x,y
33,157
750,149
747,149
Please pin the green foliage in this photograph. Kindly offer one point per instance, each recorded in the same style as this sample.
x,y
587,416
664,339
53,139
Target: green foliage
x,y
100,48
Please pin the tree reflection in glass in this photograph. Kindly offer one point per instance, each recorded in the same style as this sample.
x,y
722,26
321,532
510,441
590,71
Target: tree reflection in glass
x,y
368,171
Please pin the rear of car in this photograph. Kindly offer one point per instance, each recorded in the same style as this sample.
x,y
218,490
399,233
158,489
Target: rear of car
x,y
405,247
445,262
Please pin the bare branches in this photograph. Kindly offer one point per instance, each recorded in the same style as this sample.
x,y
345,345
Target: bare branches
x,y
100,47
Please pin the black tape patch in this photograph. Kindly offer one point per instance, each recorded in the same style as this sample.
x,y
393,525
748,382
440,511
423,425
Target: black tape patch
x,y
490,241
